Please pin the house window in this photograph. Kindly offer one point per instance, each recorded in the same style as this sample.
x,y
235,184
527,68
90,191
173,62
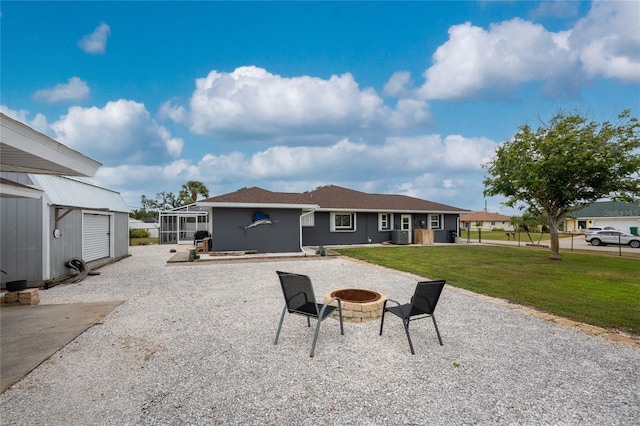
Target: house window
x,y
308,220
435,221
343,222
384,221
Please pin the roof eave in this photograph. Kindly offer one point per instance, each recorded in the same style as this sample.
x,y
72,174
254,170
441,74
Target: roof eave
x,y
25,150
9,189
358,210
256,205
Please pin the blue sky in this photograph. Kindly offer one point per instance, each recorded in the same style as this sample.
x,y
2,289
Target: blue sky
x,y
385,97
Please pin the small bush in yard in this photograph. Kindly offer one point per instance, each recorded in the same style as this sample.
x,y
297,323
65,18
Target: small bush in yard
x,y
138,233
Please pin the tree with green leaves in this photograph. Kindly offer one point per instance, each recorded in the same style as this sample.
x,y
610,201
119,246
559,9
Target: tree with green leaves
x,y
567,164
529,222
190,191
166,200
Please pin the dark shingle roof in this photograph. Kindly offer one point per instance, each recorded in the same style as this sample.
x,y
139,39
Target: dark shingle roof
x,y
333,197
336,197
255,195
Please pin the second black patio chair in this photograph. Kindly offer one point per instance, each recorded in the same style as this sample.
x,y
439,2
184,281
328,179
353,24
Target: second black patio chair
x,y
423,303
300,299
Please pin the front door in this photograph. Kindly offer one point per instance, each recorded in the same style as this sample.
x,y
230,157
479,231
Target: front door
x,y
405,225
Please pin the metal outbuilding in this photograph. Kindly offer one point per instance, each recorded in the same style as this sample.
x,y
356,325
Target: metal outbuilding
x,y
71,219
46,218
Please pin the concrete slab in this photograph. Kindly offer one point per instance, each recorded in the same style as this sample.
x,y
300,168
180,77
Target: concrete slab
x,y
29,335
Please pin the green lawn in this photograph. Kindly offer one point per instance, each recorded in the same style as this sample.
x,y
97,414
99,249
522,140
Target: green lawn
x,y
601,290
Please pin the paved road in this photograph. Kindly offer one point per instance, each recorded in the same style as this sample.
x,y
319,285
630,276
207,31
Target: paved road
x,y
568,243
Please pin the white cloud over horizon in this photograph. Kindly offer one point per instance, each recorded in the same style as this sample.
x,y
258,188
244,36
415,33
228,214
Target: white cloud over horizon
x,y
429,166
74,90
95,43
605,43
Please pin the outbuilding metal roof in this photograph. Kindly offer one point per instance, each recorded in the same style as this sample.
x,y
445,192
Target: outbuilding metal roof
x,y
64,191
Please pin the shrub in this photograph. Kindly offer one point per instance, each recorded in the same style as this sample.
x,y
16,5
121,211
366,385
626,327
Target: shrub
x,y
138,233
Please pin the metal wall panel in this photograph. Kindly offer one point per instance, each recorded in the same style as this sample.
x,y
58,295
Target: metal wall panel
x,y
21,239
69,244
120,235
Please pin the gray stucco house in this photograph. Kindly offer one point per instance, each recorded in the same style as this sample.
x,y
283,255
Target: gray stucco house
x,y
271,222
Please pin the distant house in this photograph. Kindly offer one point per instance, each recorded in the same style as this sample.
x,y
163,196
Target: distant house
x,y
486,221
266,221
622,216
47,218
149,224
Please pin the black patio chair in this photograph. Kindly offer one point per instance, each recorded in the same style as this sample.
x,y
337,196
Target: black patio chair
x,y
300,299
198,236
423,303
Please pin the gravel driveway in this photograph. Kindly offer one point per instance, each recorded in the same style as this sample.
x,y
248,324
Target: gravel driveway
x,y
193,344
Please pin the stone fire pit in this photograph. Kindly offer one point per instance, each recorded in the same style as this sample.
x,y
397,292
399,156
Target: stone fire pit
x,y
358,305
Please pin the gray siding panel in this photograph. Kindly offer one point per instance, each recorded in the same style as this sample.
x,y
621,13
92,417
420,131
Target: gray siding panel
x,y
282,236
21,239
70,242
121,235
366,231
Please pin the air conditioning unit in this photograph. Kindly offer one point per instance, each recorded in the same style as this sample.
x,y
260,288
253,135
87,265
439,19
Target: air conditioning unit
x,y
399,237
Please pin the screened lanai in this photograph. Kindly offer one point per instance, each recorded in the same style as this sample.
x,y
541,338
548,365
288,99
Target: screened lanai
x,y
177,226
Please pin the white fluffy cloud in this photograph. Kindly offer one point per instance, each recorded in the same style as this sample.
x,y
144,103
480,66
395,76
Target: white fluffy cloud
x,y
96,42
608,40
509,53
252,102
556,9
75,89
123,130
474,60
398,84
395,158
38,123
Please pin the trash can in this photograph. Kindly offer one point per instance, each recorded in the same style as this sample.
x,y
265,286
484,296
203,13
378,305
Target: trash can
x,y
634,230
452,236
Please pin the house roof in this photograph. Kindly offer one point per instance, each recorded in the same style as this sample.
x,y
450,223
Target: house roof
x,y
254,196
484,217
608,209
335,197
329,197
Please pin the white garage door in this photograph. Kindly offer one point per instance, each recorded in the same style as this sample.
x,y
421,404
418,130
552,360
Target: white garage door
x,y
96,237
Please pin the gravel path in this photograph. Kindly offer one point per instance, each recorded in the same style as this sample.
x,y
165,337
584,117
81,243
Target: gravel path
x,y
193,344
